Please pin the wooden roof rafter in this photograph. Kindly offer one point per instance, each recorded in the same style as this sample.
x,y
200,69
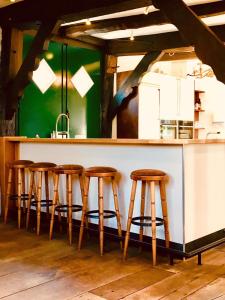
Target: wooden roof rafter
x,y
155,42
66,10
208,46
134,22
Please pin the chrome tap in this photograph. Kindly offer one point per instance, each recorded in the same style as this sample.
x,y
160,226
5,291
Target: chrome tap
x,y
62,134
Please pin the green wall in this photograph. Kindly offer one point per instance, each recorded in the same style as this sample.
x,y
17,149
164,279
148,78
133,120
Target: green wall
x,y
37,112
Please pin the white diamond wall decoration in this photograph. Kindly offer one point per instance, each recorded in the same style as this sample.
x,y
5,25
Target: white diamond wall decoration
x,y
82,81
43,77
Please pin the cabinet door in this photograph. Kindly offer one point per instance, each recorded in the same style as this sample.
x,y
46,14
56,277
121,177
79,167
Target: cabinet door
x,y
185,99
168,98
148,112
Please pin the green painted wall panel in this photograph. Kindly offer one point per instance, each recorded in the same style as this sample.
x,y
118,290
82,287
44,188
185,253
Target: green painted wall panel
x,y
38,112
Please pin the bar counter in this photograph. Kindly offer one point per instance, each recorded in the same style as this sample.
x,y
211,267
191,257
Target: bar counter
x,y
195,190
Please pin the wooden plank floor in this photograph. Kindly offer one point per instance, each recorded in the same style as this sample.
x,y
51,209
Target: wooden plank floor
x,y
33,268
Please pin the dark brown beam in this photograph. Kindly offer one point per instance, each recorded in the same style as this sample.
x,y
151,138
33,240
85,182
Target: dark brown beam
x,y
208,47
110,68
66,10
31,61
133,22
132,80
88,42
154,42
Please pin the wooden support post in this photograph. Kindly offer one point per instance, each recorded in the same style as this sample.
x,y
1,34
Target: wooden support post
x,y
11,59
110,66
209,48
21,79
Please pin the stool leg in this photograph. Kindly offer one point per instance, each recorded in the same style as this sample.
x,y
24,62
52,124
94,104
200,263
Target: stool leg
x,y
82,194
19,197
8,192
54,202
70,214
29,198
23,190
59,213
117,210
164,211
101,214
39,190
47,193
153,215
67,197
84,211
130,214
142,211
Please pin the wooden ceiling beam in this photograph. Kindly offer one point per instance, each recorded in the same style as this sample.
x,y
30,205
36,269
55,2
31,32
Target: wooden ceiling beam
x,y
208,47
132,80
19,82
66,10
137,21
154,42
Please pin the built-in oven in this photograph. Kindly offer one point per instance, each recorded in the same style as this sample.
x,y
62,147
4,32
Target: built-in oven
x,y
185,129
174,129
168,129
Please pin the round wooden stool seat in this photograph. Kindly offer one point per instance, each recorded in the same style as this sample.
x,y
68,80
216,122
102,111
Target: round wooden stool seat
x,y
68,169
21,196
20,164
100,172
69,207
41,166
148,175
38,172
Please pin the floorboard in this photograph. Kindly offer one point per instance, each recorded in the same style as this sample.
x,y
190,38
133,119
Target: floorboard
x,y
35,268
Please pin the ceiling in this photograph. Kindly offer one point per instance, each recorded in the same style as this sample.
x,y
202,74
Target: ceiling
x,y
154,29
7,2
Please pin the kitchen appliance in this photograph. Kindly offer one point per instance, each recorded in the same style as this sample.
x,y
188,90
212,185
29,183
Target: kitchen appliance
x,y
168,129
174,129
185,129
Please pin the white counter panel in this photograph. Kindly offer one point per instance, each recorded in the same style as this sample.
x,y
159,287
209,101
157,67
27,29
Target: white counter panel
x,y
204,181
124,158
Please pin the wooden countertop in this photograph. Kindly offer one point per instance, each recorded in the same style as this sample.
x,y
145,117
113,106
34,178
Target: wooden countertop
x,y
113,141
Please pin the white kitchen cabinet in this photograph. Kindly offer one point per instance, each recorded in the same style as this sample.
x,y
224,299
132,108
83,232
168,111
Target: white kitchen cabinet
x,y
168,98
185,99
177,99
148,112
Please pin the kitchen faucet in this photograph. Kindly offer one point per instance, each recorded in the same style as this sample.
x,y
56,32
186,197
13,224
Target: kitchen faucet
x,y
62,134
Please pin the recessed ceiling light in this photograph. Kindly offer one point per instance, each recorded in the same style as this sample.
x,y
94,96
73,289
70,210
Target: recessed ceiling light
x,y
88,22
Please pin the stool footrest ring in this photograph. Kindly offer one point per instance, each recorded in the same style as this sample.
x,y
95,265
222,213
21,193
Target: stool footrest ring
x,y
14,197
146,221
65,208
44,203
106,214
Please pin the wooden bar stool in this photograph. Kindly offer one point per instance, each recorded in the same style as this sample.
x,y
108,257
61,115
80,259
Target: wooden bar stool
x,y
100,213
151,177
69,208
39,169
18,167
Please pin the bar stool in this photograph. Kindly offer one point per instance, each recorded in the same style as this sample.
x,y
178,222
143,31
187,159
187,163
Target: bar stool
x,y
69,208
39,169
100,213
152,177
19,167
